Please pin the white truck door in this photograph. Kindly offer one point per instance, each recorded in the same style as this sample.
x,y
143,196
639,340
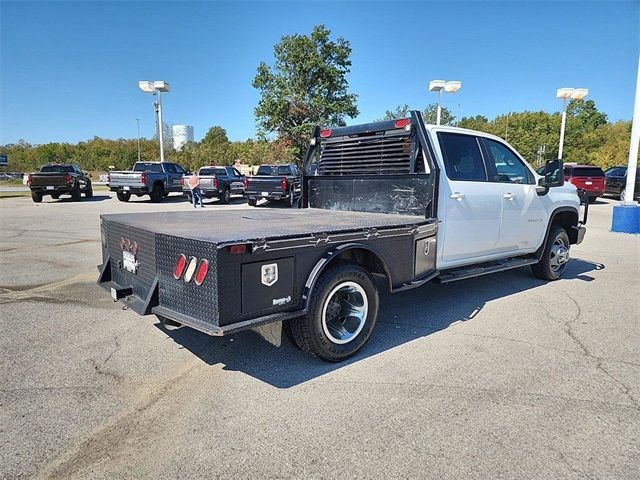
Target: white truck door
x,y
523,212
471,206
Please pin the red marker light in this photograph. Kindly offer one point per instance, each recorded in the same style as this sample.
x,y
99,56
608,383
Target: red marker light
x,y
201,272
246,183
29,180
325,133
284,184
69,178
403,122
182,262
237,249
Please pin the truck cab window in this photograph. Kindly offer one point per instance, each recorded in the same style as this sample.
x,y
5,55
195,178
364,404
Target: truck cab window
x,y
462,157
285,171
508,167
171,168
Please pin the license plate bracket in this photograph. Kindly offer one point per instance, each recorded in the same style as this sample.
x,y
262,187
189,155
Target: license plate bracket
x,y
129,262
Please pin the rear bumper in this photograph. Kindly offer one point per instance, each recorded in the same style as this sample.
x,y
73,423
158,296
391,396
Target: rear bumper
x,y
127,189
208,193
59,189
269,195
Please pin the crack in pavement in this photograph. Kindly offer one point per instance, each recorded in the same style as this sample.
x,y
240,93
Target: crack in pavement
x,y
567,326
100,367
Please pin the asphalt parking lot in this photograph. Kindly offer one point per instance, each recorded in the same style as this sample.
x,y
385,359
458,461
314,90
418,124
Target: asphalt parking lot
x,y
502,376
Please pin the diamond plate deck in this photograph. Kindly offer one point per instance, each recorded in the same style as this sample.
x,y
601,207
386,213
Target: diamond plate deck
x,y
258,223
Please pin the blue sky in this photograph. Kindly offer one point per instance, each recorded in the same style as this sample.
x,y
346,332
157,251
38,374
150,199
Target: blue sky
x,y
70,70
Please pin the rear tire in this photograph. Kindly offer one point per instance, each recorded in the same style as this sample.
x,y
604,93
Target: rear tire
x,y
252,202
123,196
554,257
592,199
76,193
157,193
89,191
36,197
342,313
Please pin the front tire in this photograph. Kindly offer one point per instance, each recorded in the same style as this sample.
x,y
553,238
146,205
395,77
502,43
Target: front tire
x,y
554,257
76,193
252,202
342,313
225,198
157,194
36,197
88,193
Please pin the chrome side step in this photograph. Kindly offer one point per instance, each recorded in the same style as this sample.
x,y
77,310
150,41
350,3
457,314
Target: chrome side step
x,y
461,273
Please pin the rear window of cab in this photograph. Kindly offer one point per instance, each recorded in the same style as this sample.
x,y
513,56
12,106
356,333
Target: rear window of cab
x,y
583,172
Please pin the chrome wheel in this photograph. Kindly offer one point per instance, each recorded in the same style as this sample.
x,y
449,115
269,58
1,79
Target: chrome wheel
x,y
344,312
559,255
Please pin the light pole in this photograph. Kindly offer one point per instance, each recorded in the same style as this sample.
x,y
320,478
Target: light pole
x,y
157,87
566,93
138,122
450,86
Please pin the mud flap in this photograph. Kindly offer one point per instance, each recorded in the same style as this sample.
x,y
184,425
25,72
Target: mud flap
x,y
271,332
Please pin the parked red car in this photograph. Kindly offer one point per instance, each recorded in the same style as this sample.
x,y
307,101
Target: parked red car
x,y
587,177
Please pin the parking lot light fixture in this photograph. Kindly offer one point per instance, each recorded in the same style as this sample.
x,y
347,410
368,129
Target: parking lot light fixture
x,y
450,86
566,93
156,87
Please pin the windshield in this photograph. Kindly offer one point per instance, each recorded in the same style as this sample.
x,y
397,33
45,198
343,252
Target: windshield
x,y
212,171
57,168
264,170
147,167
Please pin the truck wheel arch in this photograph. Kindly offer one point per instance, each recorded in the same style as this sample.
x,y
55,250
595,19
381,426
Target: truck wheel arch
x,y
356,253
565,217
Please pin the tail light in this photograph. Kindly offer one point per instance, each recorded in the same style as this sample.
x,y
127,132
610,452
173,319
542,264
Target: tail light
x,y
68,178
109,177
403,122
246,183
284,184
180,264
143,178
201,272
182,182
29,180
325,133
191,269
215,182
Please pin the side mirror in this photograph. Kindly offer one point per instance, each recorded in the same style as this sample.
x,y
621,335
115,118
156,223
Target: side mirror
x,y
553,175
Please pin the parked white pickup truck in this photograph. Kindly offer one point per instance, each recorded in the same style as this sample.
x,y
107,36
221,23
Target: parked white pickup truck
x,y
401,200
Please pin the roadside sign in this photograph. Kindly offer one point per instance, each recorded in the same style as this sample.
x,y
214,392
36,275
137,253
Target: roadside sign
x,y
3,160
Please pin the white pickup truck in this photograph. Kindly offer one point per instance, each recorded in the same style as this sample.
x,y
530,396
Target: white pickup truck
x,y
398,199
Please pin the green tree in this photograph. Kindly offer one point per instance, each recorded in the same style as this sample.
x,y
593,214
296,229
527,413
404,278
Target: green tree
x,y
477,122
214,149
401,111
430,115
305,86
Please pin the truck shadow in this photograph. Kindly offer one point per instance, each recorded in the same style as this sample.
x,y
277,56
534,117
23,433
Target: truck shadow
x,y
403,317
95,198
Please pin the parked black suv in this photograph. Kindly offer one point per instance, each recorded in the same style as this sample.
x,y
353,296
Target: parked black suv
x,y
616,182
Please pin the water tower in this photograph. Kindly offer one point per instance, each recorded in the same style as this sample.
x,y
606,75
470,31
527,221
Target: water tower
x,y
181,135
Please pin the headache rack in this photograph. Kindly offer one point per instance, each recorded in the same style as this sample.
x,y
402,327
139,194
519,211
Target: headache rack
x,y
369,153
385,167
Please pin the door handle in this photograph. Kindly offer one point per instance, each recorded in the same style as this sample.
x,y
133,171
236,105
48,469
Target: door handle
x,y
508,196
457,196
